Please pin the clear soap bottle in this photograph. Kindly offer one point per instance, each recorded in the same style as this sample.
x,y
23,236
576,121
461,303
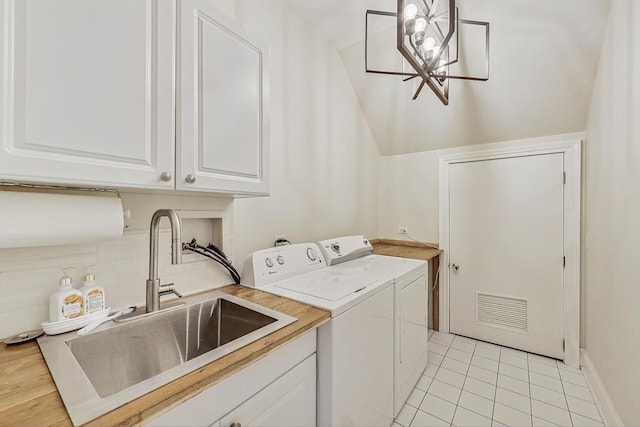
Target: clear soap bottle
x,y
92,294
66,303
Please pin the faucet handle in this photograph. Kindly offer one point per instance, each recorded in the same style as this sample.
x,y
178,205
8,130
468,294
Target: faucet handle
x,y
169,288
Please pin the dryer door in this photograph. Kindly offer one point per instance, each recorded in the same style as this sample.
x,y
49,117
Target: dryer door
x,y
410,355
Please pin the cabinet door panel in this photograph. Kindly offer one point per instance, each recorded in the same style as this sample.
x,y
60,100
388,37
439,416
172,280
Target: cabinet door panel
x,y
87,87
223,101
288,401
230,144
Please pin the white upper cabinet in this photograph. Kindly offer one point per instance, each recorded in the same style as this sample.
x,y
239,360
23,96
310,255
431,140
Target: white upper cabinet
x,y
223,135
132,93
87,92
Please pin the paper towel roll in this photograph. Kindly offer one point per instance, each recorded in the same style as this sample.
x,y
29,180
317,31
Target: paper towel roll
x,y
43,219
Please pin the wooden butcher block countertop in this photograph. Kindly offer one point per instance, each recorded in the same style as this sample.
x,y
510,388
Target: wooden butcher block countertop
x,y
404,249
29,397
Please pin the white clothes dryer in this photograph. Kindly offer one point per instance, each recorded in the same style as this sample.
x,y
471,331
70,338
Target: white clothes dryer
x,y
355,347
353,254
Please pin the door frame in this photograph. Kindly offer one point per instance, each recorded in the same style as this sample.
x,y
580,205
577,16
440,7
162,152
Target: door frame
x,y
571,273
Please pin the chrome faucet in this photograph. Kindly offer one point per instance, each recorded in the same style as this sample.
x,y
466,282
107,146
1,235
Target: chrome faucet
x,y
154,291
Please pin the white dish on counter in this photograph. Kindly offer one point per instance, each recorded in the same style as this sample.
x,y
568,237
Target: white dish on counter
x,y
62,326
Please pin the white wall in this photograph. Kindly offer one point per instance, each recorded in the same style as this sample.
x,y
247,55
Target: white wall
x,y
324,183
409,188
612,214
324,160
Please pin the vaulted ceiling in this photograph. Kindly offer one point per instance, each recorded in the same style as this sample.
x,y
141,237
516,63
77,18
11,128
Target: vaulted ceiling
x,y
544,57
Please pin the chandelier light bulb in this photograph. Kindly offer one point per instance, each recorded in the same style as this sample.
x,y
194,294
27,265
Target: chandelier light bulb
x,y
410,11
427,54
442,70
421,24
429,43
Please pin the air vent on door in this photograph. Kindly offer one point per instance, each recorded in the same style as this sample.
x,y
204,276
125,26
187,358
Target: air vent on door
x,y
502,312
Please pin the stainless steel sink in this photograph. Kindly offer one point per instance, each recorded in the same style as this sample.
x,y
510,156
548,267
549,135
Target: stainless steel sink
x,y
98,372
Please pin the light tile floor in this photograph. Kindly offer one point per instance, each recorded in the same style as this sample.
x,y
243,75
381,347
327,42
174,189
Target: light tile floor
x,y
474,383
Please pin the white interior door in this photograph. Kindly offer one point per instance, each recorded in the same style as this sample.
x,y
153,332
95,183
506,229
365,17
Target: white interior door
x,y
506,251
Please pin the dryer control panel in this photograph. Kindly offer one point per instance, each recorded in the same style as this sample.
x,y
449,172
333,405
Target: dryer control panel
x,y
270,265
342,249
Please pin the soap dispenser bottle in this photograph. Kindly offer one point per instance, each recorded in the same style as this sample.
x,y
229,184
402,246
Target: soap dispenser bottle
x,y
66,303
92,295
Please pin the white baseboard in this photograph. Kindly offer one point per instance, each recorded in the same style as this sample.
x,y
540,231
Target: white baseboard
x,y
608,412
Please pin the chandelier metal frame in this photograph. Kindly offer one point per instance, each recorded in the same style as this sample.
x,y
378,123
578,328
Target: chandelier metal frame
x,y
430,57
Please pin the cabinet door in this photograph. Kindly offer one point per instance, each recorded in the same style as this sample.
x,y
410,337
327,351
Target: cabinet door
x,y
288,401
87,91
223,138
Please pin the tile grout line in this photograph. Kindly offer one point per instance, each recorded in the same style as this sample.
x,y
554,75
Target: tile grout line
x,y
566,398
456,408
414,387
564,393
495,392
530,394
484,382
463,383
465,376
430,385
496,386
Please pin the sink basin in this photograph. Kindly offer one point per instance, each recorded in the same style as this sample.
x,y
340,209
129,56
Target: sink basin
x,y
98,372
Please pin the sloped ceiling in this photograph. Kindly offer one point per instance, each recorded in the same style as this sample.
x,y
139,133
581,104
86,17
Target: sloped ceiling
x,y
544,56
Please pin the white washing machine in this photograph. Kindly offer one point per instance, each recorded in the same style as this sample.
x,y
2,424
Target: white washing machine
x,y
353,254
355,347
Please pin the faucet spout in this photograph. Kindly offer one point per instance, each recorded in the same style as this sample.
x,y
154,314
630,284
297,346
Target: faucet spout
x,y
153,283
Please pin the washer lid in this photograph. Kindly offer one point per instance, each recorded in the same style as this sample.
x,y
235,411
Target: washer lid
x,y
381,267
327,285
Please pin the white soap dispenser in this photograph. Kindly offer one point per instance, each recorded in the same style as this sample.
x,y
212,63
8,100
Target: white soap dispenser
x,y
66,303
92,295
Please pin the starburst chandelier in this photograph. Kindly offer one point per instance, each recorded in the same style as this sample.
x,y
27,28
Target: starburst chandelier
x,y
428,37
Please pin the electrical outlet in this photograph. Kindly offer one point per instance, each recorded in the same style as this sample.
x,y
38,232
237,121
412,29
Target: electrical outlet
x,y
402,229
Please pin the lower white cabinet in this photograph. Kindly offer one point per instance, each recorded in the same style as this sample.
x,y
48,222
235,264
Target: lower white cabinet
x,y
288,401
277,390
